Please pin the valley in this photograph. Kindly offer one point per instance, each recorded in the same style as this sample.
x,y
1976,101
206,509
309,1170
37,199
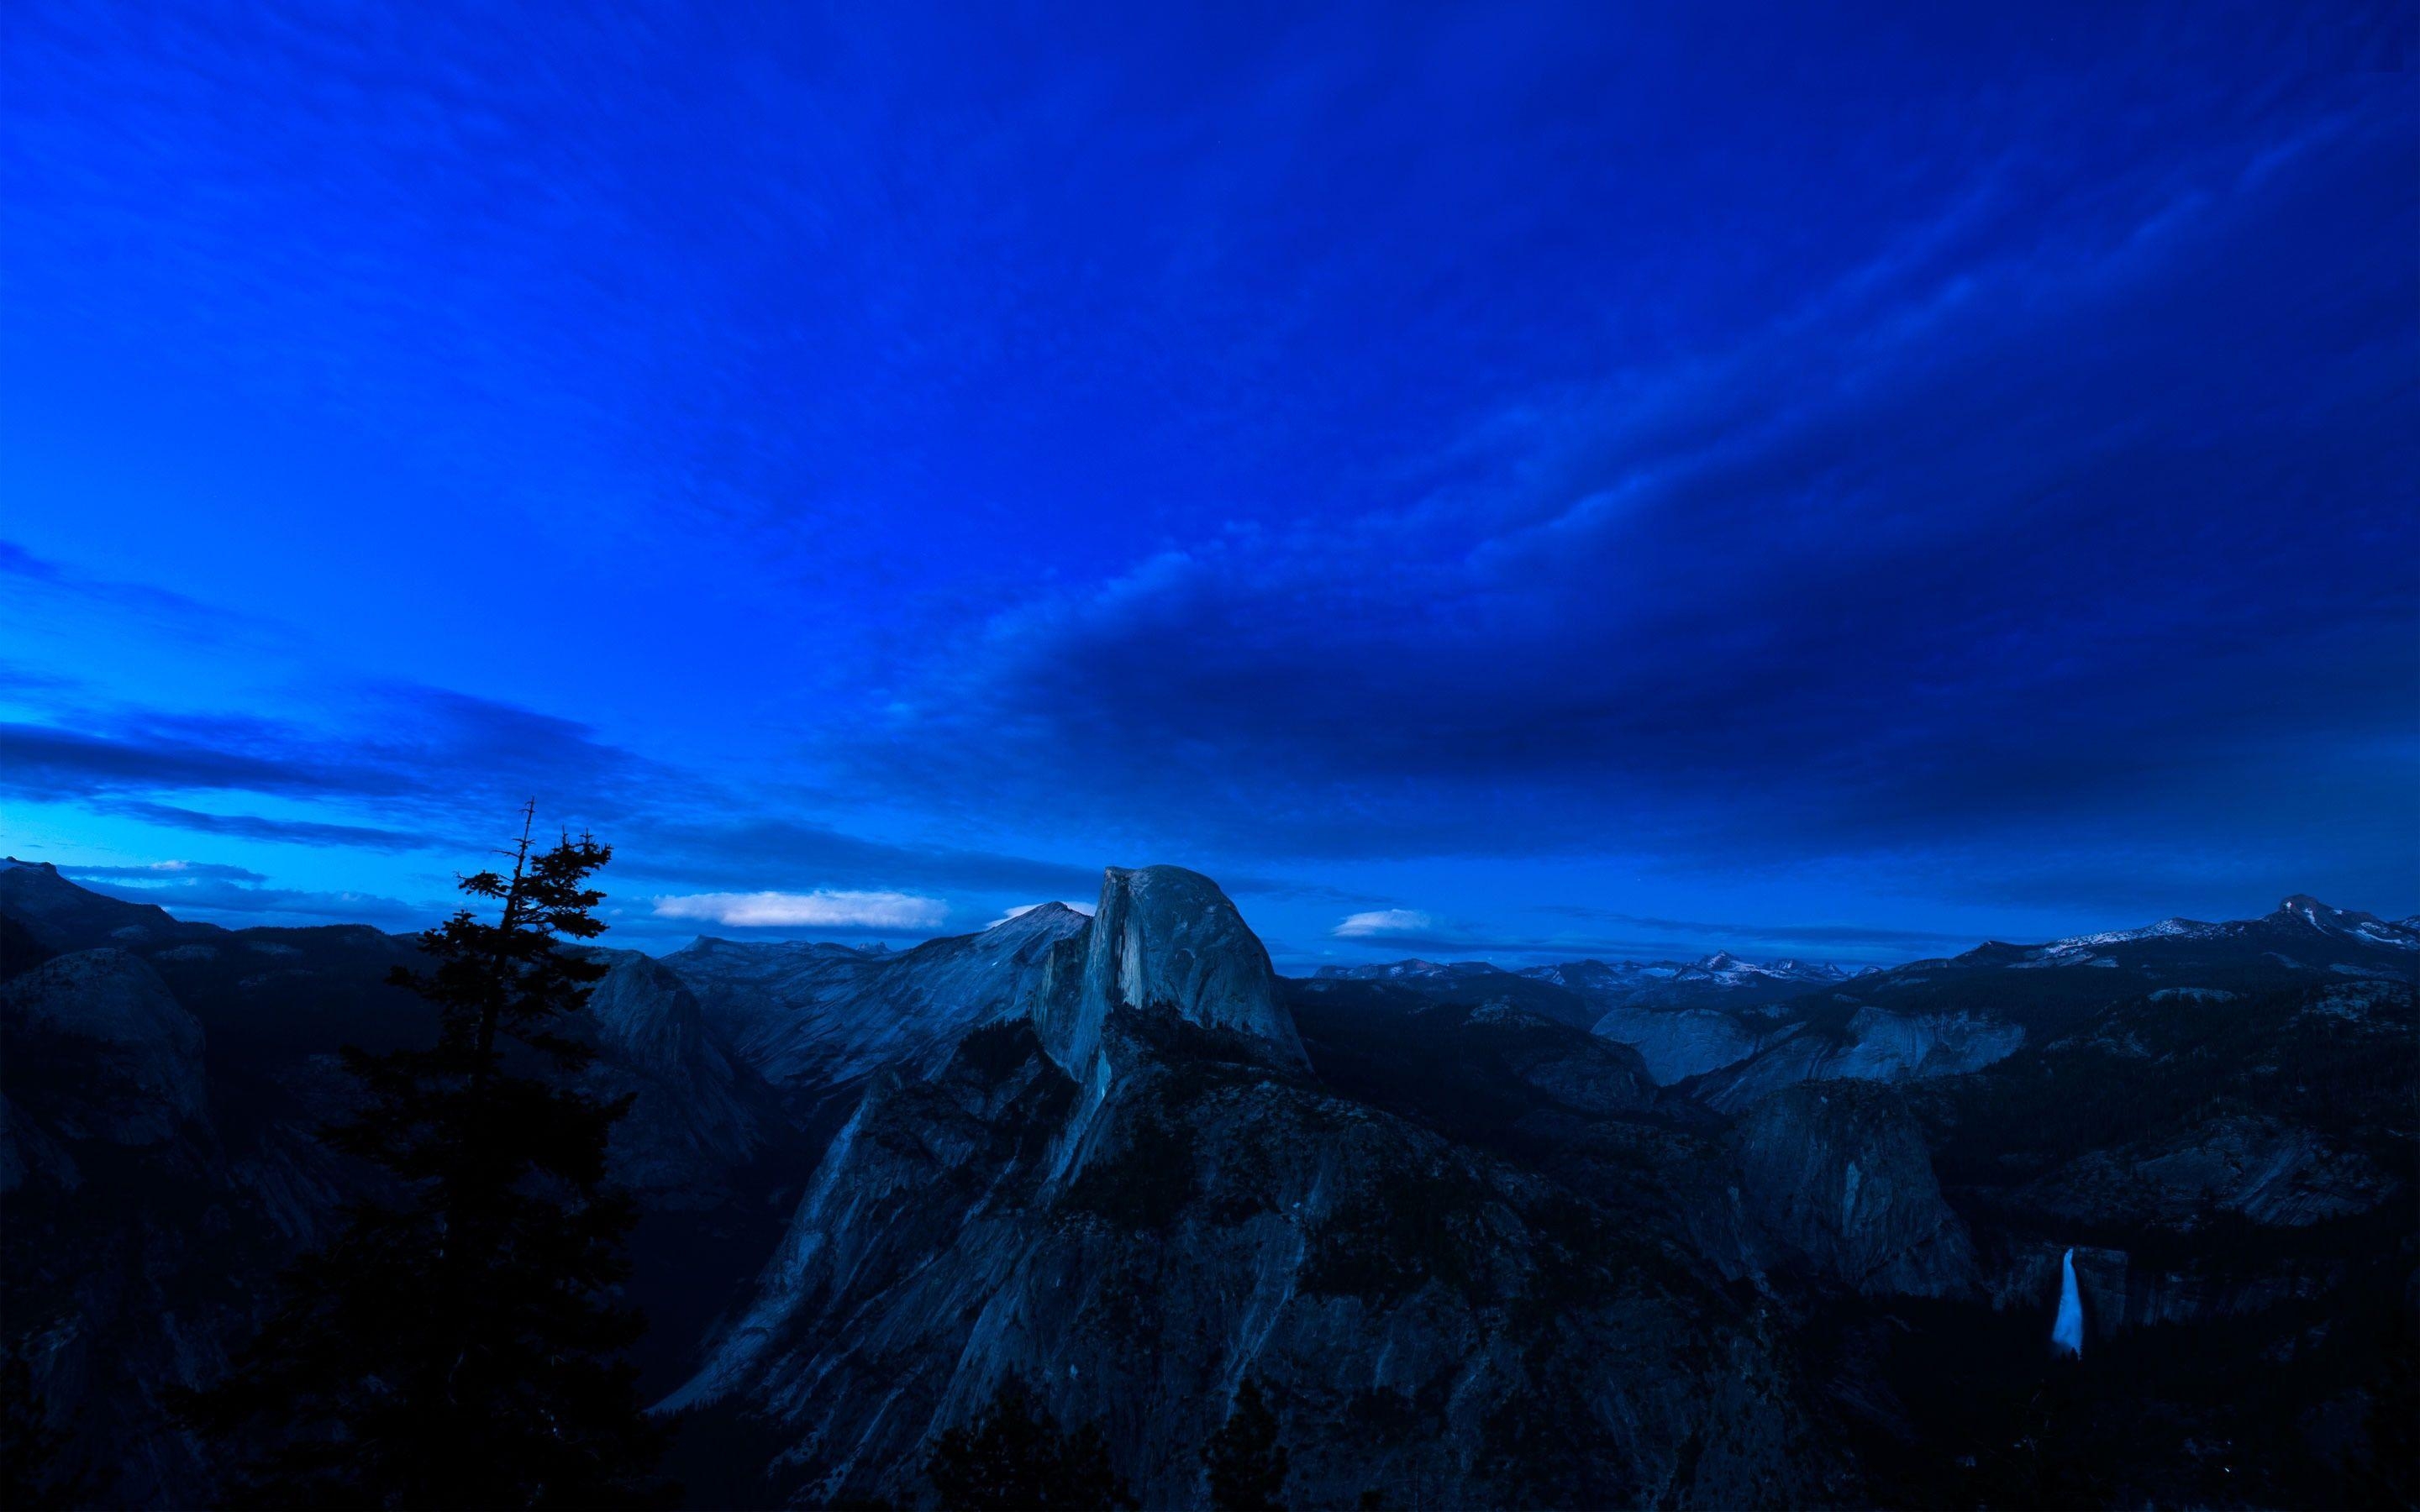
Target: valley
x,y
1693,1233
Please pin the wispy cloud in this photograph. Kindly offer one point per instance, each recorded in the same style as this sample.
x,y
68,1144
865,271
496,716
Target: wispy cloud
x,y
1850,935
234,897
165,873
1719,607
735,840
431,749
1418,931
279,832
1384,923
172,612
821,909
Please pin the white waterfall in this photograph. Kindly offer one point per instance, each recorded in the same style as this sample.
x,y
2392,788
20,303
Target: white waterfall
x,y
2067,1333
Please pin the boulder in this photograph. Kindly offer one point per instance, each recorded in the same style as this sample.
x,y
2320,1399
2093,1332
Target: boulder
x,y
97,1049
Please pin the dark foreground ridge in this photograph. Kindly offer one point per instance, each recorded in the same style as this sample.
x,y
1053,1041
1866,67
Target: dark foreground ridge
x,y
1110,1191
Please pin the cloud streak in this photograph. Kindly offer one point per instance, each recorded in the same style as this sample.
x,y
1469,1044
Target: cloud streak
x,y
891,912
278,831
166,873
1385,923
216,895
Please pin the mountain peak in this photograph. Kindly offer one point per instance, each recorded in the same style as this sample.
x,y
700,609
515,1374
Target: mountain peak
x,y
64,916
1164,936
2348,923
1054,920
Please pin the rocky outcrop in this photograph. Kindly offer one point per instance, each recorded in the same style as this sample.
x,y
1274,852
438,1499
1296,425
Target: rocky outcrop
x,y
2028,1280
2124,1291
693,1119
1473,984
815,1018
142,1231
1721,979
119,1060
1424,1316
2272,1172
1873,1044
1136,1196
1493,1074
1834,1180
1678,1043
61,917
1163,938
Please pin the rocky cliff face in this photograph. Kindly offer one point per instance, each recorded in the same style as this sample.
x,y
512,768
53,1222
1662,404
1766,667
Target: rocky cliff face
x,y
1140,1195
60,918
1872,1045
1475,985
1834,1179
1163,938
1718,981
698,1116
2266,1170
1739,1035
1678,1043
817,1018
1427,1317
122,1060
144,1217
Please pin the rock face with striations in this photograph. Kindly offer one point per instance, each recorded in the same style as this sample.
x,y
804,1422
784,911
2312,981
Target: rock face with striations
x,y
122,1060
696,1116
1140,1197
1166,937
813,1019
1835,1177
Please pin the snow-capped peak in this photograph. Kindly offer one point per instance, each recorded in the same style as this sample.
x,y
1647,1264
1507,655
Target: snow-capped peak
x,y
2368,927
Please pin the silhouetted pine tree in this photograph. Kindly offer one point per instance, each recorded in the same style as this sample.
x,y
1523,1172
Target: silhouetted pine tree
x,y
462,1349
1015,1456
1244,1462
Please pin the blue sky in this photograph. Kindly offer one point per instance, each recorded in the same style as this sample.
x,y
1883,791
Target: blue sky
x,y
1492,481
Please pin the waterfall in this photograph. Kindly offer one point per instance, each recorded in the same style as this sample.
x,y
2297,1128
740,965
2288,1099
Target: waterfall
x,y
2067,1334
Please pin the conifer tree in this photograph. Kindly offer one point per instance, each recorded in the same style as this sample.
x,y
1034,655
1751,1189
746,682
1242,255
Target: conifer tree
x,y
460,1346
1244,1462
1014,1458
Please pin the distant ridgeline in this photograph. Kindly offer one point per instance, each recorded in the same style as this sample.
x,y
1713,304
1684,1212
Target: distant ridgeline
x,y
1588,1235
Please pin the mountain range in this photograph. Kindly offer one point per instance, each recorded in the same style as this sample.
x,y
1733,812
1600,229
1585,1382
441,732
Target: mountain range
x,y
1703,1233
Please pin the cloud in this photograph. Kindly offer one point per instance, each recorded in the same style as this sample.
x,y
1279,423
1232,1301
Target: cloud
x,y
1383,923
1983,545
736,845
216,898
174,612
282,832
820,909
430,750
1413,930
1857,934
165,872
46,761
